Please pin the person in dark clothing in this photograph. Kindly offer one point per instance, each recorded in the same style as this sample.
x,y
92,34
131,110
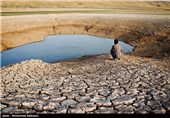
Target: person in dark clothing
x,y
112,52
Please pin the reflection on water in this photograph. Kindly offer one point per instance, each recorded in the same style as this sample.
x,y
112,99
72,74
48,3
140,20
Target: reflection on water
x,y
60,47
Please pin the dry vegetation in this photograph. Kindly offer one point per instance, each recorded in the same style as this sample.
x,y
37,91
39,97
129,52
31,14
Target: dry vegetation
x,y
17,7
85,4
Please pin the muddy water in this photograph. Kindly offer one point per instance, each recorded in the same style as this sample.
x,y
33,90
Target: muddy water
x,y
59,47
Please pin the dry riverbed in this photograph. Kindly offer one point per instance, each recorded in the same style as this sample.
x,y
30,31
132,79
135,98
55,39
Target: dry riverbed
x,y
92,84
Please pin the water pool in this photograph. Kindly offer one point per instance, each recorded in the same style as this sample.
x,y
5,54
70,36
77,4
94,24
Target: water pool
x,y
59,47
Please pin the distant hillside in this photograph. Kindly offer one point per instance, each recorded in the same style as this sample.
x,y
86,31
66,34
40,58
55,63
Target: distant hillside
x,y
123,4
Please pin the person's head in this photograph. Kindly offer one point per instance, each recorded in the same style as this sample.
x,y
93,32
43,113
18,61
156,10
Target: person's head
x,y
116,41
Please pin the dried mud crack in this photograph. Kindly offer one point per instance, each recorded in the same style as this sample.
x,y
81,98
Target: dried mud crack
x,y
87,85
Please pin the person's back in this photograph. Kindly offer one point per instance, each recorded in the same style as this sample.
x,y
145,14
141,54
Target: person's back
x,y
116,50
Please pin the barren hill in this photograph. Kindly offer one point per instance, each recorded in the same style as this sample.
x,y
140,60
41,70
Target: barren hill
x,y
135,4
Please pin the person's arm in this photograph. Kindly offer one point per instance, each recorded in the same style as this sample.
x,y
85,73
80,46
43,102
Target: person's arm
x,y
113,49
121,49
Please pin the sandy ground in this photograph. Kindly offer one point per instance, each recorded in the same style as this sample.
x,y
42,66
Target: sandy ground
x,y
43,9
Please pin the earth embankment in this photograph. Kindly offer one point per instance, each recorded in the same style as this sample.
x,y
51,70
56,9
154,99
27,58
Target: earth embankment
x,y
149,34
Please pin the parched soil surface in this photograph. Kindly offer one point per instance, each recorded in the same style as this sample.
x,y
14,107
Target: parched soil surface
x,y
94,84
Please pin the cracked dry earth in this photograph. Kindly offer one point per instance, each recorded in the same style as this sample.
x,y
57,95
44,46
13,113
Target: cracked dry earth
x,y
88,85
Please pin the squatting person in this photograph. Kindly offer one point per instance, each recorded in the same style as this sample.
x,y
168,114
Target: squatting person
x,y
116,50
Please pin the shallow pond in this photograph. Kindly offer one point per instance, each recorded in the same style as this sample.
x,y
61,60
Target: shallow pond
x,y
59,47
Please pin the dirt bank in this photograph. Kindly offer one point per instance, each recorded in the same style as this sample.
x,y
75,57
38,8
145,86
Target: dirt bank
x,y
148,33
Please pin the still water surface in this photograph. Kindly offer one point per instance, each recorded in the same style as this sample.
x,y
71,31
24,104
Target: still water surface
x,y
59,47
